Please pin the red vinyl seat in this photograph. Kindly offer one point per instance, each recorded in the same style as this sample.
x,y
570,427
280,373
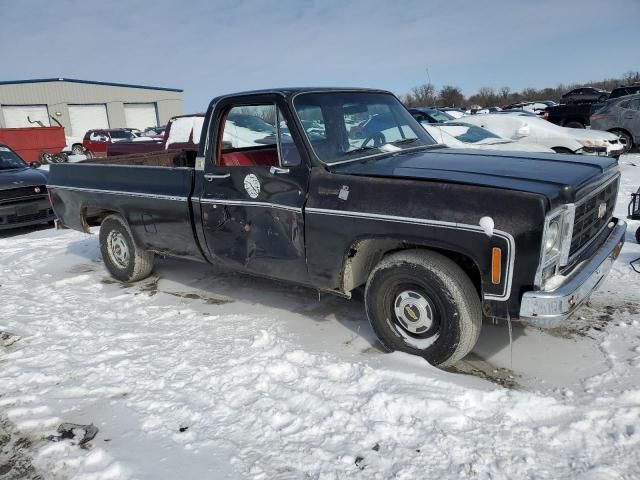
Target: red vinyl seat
x,y
250,158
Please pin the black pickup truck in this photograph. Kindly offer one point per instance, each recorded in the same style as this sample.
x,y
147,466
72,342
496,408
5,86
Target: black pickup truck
x,y
340,189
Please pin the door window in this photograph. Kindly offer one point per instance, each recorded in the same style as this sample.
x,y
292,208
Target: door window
x,y
257,136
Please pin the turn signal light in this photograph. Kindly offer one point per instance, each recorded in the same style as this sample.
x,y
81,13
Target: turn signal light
x,y
496,265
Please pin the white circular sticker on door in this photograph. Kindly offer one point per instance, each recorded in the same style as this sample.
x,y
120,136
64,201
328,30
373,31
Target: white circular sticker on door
x,y
252,185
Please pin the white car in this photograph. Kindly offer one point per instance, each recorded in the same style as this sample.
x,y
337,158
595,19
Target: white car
x,y
465,135
530,129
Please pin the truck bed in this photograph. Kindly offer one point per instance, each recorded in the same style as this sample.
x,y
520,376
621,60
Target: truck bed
x,y
154,200
162,158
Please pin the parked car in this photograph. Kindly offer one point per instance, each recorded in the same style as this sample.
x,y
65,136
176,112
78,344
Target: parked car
x,y
430,115
182,133
585,95
623,90
620,116
96,142
23,192
154,132
537,107
465,135
570,115
531,129
430,232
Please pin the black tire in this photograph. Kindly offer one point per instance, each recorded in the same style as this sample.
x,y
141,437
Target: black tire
x,y
562,150
417,283
626,138
46,158
574,124
77,149
638,235
125,260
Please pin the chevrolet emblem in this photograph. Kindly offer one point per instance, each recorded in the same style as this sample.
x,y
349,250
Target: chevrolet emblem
x,y
602,209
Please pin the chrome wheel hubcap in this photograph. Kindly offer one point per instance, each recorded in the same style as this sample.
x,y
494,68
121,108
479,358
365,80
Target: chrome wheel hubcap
x,y
413,312
118,249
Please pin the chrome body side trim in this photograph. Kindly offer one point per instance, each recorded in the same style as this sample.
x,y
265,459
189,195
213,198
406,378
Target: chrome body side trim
x,y
511,250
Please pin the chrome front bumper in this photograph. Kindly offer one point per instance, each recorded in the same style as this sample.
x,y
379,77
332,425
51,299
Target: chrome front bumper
x,y
549,309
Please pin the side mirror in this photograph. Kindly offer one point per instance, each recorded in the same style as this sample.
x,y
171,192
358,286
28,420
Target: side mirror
x,y
523,131
35,164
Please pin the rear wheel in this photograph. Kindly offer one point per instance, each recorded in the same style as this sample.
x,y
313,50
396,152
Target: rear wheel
x,y
77,149
574,124
125,260
423,303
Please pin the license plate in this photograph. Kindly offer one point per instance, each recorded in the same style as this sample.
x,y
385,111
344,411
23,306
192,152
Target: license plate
x,y
26,210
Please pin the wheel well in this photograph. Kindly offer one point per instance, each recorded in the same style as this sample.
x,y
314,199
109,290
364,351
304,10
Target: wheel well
x,y
93,216
614,130
573,119
364,255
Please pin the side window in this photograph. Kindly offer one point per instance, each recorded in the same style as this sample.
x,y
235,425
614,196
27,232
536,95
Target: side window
x,y
256,136
625,104
635,104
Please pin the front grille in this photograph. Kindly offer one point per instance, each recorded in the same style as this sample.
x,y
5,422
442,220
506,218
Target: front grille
x,y
20,193
588,223
42,214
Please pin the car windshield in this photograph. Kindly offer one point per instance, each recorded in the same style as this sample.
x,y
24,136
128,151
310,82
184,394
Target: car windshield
x,y
9,160
121,135
469,133
345,126
439,116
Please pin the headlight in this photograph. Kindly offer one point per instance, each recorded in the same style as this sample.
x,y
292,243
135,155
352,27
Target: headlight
x,y
552,237
556,242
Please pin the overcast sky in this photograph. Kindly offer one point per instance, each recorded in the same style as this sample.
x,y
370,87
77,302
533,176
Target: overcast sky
x,y
210,47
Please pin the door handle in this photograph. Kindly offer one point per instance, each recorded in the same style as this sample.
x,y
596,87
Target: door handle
x,y
628,115
209,177
276,170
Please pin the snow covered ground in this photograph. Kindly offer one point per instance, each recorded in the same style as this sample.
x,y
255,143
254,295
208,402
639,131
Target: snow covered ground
x,y
197,373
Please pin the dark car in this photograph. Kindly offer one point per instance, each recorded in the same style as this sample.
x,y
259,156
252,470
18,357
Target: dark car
x,y
23,192
430,115
585,95
623,90
97,141
620,116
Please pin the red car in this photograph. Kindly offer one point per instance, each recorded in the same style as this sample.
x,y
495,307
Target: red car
x,y
97,141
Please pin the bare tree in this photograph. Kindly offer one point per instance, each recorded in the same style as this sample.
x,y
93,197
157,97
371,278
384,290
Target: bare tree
x,y
451,96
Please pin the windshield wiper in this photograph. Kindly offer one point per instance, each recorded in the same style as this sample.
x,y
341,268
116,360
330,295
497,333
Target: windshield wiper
x,y
360,149
404,141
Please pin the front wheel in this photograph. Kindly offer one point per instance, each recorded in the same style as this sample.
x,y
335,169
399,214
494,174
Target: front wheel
x,y
423,303
125,260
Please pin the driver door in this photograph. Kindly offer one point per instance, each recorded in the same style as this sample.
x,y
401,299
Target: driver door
x,y
254,190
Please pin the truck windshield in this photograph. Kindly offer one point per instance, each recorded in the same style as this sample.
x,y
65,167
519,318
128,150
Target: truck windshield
x,y
345,126
10,160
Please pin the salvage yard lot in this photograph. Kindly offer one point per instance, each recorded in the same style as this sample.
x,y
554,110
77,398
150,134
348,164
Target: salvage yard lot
x,y
201,373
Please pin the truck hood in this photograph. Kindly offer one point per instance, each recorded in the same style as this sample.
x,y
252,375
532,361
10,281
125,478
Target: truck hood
x,y
21,177
557,177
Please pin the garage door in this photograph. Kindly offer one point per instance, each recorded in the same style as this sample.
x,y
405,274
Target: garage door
x,y
140,115
87,117
25,116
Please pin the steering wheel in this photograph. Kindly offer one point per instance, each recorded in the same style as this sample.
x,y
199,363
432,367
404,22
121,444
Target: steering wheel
x,y
378,140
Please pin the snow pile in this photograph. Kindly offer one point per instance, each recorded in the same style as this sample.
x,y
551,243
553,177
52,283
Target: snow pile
x,y
209,374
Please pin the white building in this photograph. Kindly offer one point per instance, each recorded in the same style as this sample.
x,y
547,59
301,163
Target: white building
x,y
81,105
